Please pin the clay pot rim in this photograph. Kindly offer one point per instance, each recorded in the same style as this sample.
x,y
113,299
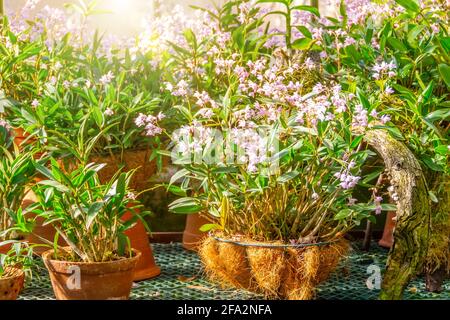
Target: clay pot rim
x,y
46,254
18,273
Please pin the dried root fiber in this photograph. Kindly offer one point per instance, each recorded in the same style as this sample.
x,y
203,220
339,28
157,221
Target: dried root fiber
x,y
225,263
278,273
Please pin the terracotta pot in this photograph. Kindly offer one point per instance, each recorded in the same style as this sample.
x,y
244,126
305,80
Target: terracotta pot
x,y
388,234
4,249
19,136
146,267
11,286
91,281
131,159
192,236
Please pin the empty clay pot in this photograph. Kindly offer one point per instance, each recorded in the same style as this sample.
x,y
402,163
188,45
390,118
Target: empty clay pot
x,y
91,281
192,236
11,285
146,267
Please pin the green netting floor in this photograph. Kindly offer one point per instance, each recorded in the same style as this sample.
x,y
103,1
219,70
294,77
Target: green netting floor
x,y
182,278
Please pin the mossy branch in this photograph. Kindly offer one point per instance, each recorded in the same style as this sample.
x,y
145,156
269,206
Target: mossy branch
x,y
411,235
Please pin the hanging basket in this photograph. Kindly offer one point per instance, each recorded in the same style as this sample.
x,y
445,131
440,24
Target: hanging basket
x,y
276,270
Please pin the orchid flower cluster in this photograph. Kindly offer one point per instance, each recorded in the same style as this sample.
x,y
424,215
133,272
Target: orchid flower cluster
x,y
60,84
338,78
54,23
310,152
259,98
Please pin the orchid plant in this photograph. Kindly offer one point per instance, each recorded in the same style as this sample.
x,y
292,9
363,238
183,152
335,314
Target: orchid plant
x,y
55,77
90,216
270,151
20,256
16,172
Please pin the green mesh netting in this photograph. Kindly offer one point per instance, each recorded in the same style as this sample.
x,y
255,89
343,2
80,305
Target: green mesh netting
x,y
182,278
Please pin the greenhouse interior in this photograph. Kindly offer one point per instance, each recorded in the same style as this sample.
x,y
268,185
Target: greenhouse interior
x,y
253,150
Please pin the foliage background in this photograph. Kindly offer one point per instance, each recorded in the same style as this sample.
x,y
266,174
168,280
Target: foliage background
x,y
125,20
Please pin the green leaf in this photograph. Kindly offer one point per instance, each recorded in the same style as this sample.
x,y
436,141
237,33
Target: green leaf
x,y
343,214
185,206
178,175
343,10
225,170
362,98
429,162
388,207
444,70
93,211
238,37
397,44
302,43
439,115
413,34
44,170
287,176
208,227
433,196
372,176
410,5
54,184
311,9
304,30
185,112
98,116
442,149
190,37
176,190
122,184
355,143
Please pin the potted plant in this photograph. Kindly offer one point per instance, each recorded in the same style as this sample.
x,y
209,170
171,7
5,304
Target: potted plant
x,y
114,89
15,266
16,171
17,175
86,90
279,233
274,159
98,262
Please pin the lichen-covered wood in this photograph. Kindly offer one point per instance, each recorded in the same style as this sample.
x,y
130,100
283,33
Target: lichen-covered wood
x,y
411,235
438,260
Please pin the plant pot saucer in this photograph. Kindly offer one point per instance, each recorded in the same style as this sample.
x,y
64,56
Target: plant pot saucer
x,y
146,267
148,273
